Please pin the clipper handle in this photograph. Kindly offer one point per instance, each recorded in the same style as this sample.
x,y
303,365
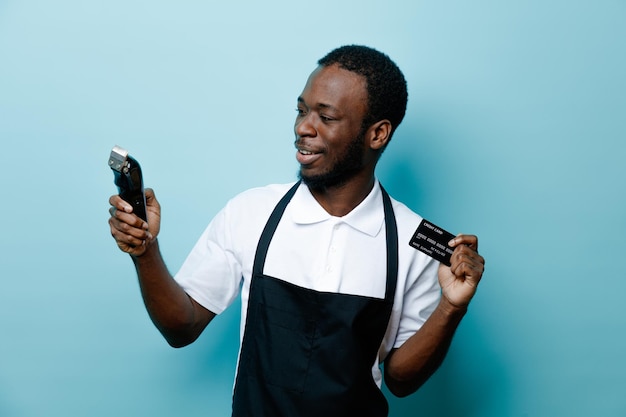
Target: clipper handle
x,y
129,181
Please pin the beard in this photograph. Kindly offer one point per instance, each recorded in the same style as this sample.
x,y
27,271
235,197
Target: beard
x,y
343,169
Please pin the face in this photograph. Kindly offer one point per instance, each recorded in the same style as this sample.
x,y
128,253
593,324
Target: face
x,y
330,139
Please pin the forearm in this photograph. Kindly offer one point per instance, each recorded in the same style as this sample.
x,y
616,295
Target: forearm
x,y
409,366
179,319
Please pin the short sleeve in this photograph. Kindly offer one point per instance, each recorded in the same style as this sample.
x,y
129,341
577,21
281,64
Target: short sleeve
x,y
419,301
212,274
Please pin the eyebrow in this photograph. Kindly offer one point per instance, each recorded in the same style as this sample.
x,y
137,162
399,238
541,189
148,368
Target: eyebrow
x,y
319,105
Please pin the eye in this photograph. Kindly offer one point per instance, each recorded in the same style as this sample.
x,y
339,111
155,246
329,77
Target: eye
x,y
326,118
301,112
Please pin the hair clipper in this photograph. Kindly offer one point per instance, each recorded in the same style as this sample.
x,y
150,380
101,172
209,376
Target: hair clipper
x,y
129,180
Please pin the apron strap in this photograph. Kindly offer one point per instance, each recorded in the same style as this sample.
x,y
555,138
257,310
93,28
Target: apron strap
x,y
268,230
391,231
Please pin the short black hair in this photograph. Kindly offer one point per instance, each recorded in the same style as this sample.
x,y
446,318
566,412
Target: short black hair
x,y
386,86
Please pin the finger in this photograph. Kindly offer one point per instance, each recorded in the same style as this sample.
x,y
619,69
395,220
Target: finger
x,y
466,256
468,240
127,237
120,213
470,272
464,251
133,230
463,257
119,203
151,200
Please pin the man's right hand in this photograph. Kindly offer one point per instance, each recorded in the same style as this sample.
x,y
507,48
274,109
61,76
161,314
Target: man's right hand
x,y
132,234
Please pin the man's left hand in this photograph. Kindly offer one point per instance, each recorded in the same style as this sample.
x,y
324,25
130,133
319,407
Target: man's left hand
x,y
460,280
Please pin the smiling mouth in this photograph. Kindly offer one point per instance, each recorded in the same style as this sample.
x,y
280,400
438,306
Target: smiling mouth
x,y
307,157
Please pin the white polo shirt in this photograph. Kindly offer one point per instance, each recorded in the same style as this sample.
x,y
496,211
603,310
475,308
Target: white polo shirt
x,y
315,250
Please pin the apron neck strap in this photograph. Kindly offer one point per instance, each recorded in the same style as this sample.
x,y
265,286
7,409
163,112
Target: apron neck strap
x,y
269,229
391,233
391,230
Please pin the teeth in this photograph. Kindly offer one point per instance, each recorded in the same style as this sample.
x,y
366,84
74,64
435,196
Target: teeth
x,y
306,152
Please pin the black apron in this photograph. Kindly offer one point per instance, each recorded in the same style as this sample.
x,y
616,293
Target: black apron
x,y
310,353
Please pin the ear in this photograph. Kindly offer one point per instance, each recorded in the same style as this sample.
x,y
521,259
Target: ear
x,y
379,134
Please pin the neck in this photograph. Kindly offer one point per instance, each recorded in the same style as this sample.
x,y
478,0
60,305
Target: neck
x,y
341,199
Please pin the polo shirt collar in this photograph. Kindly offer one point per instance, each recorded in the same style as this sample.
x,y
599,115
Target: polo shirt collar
x,y
368,217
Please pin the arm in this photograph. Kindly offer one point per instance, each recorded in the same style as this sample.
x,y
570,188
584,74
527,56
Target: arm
x,y
177,316
410,365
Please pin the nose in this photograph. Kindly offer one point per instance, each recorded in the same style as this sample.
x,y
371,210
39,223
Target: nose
x,y
304,126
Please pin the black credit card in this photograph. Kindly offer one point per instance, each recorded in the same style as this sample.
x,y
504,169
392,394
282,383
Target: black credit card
x,y
433,241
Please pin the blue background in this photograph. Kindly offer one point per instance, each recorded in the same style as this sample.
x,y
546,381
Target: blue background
x,y
515,131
